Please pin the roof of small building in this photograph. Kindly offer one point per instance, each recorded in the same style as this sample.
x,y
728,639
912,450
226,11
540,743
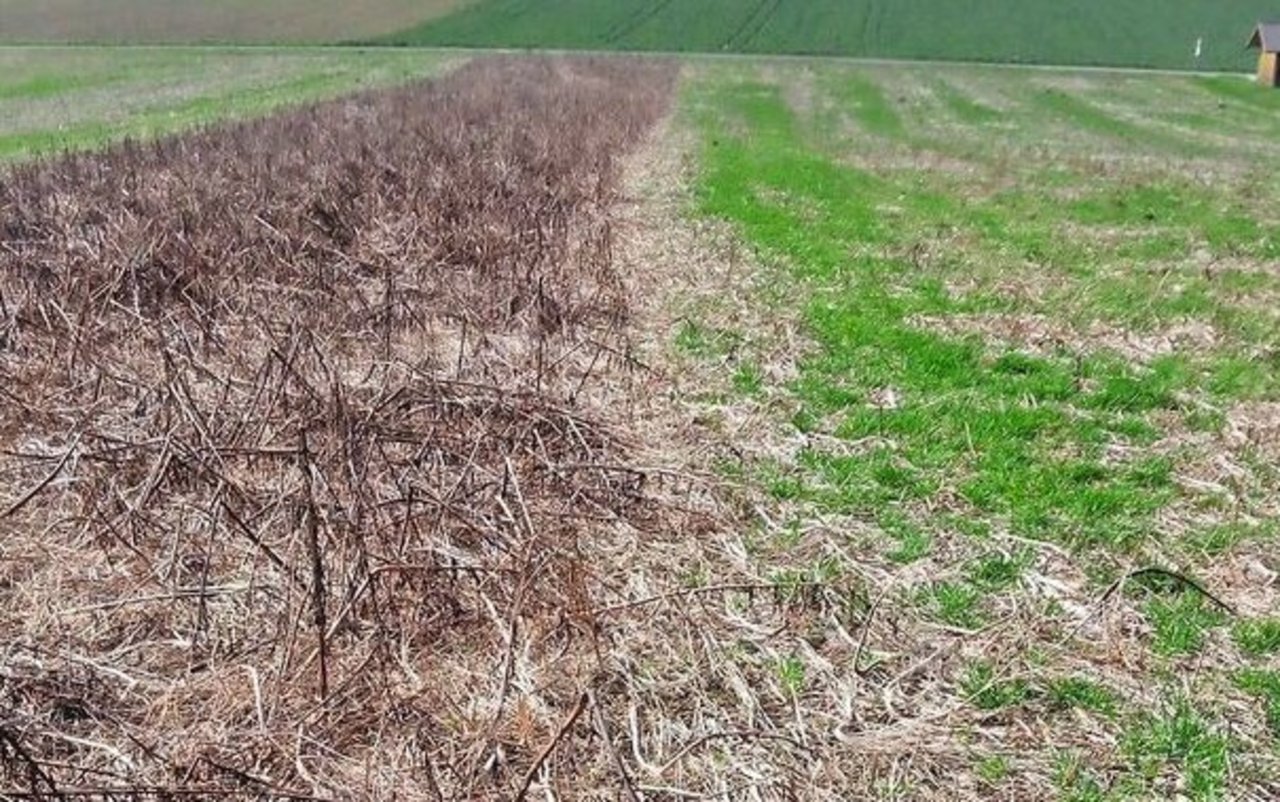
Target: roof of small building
x,y
1266,36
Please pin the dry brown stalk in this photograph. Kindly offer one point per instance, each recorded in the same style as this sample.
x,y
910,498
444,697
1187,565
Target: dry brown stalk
x,y
541,760
26,497
328,383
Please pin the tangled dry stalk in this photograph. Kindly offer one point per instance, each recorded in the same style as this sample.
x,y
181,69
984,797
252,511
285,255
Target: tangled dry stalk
x,y
307,445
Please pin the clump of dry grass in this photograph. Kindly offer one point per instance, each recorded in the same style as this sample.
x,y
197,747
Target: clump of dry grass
x,y
308,449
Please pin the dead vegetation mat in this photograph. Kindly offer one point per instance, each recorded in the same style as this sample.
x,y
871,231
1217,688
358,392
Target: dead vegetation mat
x,y
310,442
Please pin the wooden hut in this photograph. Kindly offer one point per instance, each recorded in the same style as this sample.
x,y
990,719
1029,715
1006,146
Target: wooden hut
x,y
1266,37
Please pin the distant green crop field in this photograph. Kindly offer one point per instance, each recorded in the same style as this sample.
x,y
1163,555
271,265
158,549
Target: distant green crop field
x,y
210,21
1143,33
75,98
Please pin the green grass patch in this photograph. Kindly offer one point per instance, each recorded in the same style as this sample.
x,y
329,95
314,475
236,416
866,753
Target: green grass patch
x,y
1258,637
985,689
50,84
748,379
993,769
792,675
1221,539
1183,742
995,572
1230,88
1083,115
867,102
1081,693
990,424
1265,687
912,542
1181,621
698,340
144,94
953,603
963,108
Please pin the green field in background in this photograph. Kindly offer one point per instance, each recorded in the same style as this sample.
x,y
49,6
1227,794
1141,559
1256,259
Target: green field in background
x,y
1147,33
58,98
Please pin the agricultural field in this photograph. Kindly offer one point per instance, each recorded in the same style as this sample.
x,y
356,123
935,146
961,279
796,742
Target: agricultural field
x,y
998,347
1144,33
1139,33
210,21
56,98
618,426
298,407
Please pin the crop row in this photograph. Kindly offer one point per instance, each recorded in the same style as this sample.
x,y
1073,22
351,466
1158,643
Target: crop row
x,y
291,418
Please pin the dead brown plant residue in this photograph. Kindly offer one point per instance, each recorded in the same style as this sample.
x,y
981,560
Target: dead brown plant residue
x,y
308,448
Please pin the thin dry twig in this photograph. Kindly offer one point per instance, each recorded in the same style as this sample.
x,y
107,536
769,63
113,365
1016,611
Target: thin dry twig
x,y
1180,578
27,497
531,774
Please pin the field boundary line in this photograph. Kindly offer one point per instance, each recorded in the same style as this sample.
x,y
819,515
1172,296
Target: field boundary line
x,y
691,55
